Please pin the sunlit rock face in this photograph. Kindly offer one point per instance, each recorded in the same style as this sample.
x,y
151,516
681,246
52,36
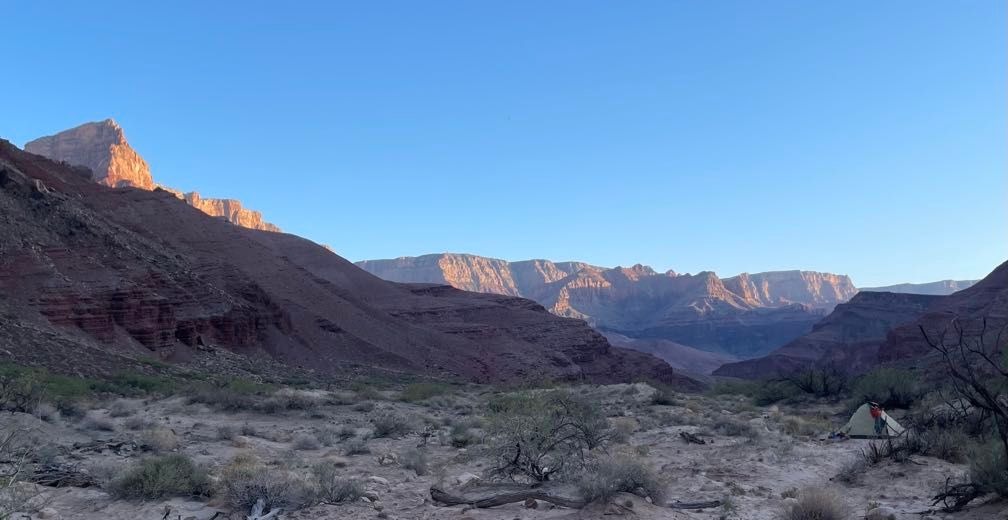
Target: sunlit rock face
x,y
102,147
742,316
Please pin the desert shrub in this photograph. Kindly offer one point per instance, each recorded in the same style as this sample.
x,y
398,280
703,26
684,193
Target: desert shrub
x,y
137,422
390,424
244,481
232,394
816,504
328,435
664,396
248,430
16,449
951,444
159,440
415,460
820,381
364,406
622,429
852,470
604,478
356,446
890,387
158,477
96,422
536,435
332,487
226,432
305,442
989,468
47,412
422,391
733,428
287,399
122,408
461,436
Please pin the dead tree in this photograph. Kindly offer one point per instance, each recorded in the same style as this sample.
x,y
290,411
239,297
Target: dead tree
x,y
976,362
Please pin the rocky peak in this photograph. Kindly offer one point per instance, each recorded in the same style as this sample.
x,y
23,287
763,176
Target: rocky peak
x,y
101,146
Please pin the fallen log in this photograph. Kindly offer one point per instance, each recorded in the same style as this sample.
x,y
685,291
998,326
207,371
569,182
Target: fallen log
x,y
695,505
504,495
493,495
691,439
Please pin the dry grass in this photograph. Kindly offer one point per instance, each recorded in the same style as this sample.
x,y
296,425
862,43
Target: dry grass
x,y
816,504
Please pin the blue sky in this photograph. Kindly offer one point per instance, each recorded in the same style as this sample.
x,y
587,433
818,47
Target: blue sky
x,y
866,138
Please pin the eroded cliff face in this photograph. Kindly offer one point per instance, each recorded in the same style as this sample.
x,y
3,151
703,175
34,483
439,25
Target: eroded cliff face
x,y
745,316
102,147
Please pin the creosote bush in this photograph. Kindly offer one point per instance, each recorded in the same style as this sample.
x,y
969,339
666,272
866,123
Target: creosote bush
x,y
415,460
604,478
816,504
158,477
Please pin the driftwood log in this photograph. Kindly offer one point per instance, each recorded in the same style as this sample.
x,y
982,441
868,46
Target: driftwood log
x,y
491,495
61,475
691,439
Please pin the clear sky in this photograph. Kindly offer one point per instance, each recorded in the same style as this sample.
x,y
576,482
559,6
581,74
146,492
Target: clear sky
x,y
866,138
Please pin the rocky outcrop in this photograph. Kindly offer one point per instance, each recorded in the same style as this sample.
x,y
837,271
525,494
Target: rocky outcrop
x,y
85,268
744,316
102,147
941,288
849,337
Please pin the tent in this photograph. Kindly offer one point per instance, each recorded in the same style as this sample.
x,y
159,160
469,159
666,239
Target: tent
x,y
863,426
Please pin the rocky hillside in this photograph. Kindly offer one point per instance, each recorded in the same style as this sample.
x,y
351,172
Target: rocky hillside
x,y
850,336
102,147
884,327
941,288
744,316
95,274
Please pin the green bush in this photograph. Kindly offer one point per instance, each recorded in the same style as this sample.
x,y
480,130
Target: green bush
x,y
890,387
989,468
158,477
422,391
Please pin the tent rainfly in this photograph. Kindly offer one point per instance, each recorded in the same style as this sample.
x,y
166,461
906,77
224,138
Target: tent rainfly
x,y
862,425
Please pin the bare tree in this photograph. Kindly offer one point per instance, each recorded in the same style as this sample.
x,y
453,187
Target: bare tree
x,y
976,361
15,458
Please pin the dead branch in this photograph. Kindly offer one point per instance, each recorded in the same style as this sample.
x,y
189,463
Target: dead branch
x,y
493,495
691,439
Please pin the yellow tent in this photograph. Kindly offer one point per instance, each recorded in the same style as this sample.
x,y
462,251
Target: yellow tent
x,y
863,426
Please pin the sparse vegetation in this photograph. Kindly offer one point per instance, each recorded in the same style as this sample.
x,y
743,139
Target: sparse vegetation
x,y
245,481
159,477
890,387
159,440
610,475
389,424
356,446
417,392
816,504
305,442
332,486
415,460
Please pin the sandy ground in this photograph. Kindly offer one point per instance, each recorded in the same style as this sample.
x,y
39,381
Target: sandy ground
x,y
749,472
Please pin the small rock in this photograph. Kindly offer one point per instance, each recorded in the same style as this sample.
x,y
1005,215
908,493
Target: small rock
x,y
378,480
377,506
371,495
881,513
388,459
531,503
47,513
466,478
